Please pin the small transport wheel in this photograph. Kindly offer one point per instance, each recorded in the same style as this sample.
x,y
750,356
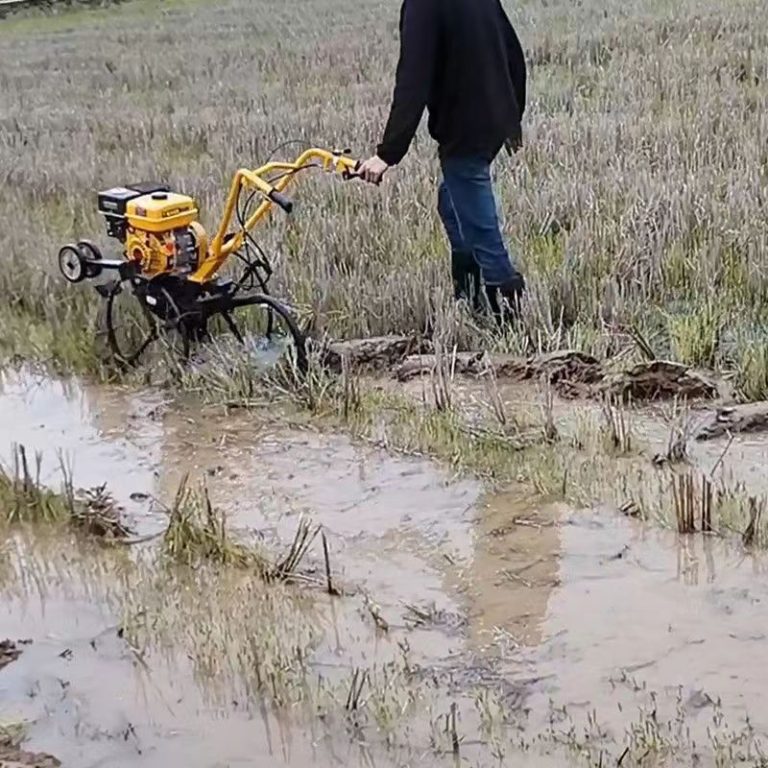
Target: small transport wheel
x,y
90,253
71,264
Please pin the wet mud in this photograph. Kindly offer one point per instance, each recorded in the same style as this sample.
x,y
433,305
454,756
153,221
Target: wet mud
x,y
9,652
561,612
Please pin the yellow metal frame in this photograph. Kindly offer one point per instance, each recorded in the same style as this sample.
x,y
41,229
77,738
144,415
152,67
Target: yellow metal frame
x,y
259,180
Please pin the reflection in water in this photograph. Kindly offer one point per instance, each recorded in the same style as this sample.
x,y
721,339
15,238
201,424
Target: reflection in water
x,y
389,521
659,610
514,569
693,554
99,696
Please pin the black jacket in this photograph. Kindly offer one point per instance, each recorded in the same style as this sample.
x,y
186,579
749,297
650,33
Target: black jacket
x,y
462,60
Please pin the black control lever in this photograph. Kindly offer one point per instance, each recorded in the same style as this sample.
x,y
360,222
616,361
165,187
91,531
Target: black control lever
x,y
282,200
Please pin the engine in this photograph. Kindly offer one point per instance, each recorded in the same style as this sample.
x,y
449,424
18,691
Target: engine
x,y
158,228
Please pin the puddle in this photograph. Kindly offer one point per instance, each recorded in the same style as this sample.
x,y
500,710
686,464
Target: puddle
x,y
639,607
586,610
104,435
390,524
390,521
152,716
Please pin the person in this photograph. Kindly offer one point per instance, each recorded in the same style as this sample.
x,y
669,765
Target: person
x,y
462,61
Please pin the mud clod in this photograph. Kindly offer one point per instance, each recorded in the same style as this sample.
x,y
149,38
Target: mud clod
x,y
9,652
575,374
462,364
97,513
735,419
556,367
378,353
661,380
13,757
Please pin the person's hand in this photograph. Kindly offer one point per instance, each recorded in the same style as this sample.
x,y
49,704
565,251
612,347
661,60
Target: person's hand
x,y
372,170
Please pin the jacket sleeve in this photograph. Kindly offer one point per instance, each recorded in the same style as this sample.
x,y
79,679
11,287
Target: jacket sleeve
x,y
419,33
516,58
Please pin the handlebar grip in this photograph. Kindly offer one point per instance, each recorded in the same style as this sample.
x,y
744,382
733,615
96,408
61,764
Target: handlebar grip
x,y
282,200
354,173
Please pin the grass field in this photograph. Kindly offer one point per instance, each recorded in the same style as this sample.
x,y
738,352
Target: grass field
x,y
637,212
638,204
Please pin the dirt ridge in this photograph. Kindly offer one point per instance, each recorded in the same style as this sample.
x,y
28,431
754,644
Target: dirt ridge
x,y
571,372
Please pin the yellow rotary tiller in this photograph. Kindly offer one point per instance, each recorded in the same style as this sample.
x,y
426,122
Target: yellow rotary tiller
x,y
172,266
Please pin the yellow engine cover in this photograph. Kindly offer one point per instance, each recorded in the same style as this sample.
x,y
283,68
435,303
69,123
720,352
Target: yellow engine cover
x,y
160,212
154,253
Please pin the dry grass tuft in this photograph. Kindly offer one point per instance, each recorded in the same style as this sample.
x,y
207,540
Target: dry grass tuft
x,y
616,428
197,533
22,496
681,429
752,533
24,499
288,566
692,503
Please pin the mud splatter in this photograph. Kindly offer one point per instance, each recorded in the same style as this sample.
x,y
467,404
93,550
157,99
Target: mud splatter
x,y
9,651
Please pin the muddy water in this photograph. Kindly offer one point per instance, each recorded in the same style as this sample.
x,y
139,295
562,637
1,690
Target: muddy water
x,y
92,703
395,527
580,608
615,607
391,523
104,435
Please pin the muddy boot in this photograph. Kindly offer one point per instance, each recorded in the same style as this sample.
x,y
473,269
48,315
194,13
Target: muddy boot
x,y
466,279
504,300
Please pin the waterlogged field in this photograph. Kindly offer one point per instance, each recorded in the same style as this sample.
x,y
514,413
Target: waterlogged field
x,y
211,567
430,620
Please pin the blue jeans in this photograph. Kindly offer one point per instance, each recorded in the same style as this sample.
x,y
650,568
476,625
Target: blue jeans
x,y
467,207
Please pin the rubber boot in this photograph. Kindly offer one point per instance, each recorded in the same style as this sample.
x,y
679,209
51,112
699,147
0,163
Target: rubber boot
x,y
504,300
466,278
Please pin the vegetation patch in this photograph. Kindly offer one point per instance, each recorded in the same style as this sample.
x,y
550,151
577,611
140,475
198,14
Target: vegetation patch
x,y
24,499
